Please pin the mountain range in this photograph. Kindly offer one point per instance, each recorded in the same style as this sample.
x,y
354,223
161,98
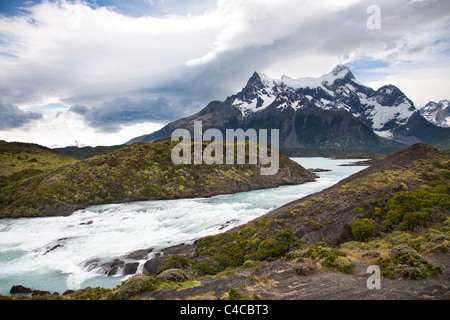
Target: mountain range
x,y
334,111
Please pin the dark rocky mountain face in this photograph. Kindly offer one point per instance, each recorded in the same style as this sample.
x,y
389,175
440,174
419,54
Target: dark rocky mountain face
x,y
333,111
312,127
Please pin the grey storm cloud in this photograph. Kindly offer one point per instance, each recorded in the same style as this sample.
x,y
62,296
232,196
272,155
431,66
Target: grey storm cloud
x,y
110,116
12,117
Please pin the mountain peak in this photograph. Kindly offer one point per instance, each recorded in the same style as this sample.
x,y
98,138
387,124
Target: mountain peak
x,y
258,79
339,68
390,89
255,78
342,71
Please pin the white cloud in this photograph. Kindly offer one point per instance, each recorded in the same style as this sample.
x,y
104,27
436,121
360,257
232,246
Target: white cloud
x,y
70,49
61,128
256,23
421,85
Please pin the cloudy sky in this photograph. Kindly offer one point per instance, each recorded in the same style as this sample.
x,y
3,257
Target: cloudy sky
x,y
100,72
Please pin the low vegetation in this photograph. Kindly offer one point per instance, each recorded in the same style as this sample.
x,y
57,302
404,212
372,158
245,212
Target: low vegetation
x,y
404,261
264,240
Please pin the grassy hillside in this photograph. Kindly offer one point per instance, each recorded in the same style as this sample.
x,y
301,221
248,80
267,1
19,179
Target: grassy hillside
x,y
138,172
16,156
19,161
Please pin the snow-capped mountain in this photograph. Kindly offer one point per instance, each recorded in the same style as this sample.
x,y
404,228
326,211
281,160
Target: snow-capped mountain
x,y
332,111
437,113
383,110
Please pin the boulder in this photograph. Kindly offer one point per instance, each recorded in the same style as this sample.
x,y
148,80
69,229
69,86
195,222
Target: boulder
x,y
152,265
130,268
91,264
19,289
138,254
111,268
36,293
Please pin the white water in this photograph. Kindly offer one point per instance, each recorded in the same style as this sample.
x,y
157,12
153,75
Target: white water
x,y
49,253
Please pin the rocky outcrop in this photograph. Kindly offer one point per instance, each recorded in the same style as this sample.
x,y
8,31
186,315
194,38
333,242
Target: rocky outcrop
x,y
21,290
129,264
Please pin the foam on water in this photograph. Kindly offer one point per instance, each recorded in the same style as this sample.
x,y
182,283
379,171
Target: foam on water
x,y
51,253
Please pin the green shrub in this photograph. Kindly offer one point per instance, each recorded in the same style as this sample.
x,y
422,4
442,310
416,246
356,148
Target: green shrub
x,y
363,229
249,264
403,186
410,210
399,237
274,248
439,238
92,294
175,275
393,217
233,294
375,244
265,240
207,267
133,286
342,264
330,258
412,220
304,267
371,254
350,245
314,225
175,262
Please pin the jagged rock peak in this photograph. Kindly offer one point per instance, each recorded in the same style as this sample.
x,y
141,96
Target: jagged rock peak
x,y
258,80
